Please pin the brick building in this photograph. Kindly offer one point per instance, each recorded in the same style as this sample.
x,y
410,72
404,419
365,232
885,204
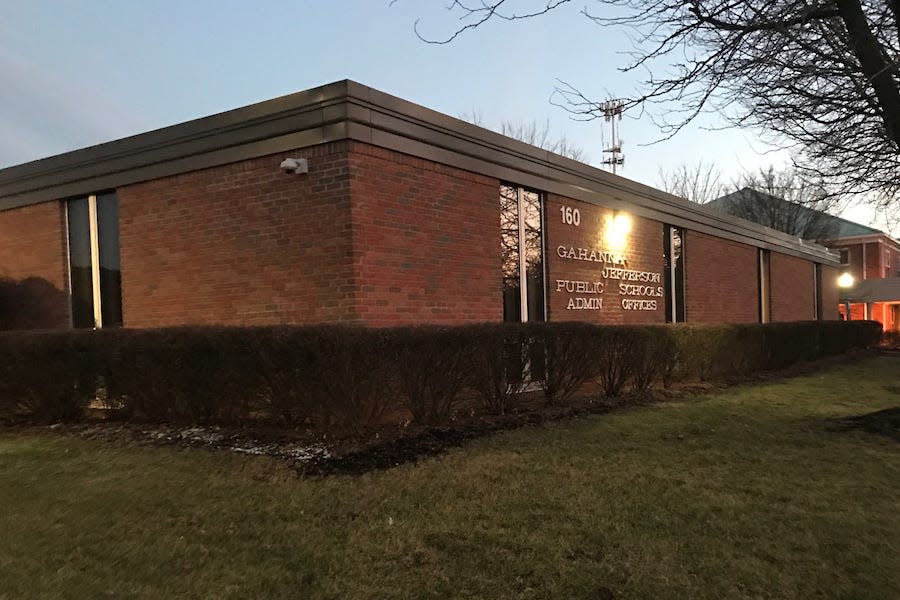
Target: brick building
x,y
873,259
868,255
392,214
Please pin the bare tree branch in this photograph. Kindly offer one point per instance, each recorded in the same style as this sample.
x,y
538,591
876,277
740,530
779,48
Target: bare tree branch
x,y
534,133
483,12
821,77
698,183
784,200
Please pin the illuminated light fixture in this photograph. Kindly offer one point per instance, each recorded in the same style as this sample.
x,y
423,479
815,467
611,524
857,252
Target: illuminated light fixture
x,y
846,280
618,226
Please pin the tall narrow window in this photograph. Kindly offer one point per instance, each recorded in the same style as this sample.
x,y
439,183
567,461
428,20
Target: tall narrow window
x,y
110,267
817,274
673,251
765,315
94,268
522,253
80,281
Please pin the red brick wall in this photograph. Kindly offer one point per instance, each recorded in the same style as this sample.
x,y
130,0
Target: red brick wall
x,y
883,259
872,260
830,293
858,312
240,244
33,260
884,314
721,280
643,252
892,260
880,259
856,260
426,241
793,288
377,237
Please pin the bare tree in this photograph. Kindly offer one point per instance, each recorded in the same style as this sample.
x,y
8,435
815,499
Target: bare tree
x,y
534,133
475,117
785,200
888,221
698,183
820,76
541,136
791,185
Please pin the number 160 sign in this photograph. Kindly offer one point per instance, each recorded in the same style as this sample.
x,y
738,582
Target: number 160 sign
x,y
570,216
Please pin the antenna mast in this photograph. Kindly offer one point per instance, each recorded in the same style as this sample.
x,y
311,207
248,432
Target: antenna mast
x,y
612,111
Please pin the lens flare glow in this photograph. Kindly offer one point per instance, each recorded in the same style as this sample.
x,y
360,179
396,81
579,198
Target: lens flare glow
x,y
846,280
616,230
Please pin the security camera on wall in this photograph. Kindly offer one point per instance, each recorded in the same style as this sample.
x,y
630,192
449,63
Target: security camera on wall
x,y
295,166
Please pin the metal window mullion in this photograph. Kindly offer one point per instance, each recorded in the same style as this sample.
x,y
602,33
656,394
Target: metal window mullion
x,y
95,260
543,208
69,265
673,291
764,287
523,260
815,292
864,261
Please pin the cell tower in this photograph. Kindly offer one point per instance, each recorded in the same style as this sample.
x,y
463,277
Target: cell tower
x,y
612,112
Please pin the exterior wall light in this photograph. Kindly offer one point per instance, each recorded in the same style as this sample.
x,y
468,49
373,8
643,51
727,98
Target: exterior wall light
x,y
845,281
618,226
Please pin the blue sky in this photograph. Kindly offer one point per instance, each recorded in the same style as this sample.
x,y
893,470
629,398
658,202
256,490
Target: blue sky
x,y
76,73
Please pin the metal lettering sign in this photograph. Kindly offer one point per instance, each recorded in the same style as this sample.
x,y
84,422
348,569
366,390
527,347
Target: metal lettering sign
x,y
636,290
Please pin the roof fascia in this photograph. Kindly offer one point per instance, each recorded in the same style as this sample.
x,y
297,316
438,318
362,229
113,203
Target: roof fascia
x,y
349,110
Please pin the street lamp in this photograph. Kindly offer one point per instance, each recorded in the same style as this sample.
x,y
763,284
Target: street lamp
x,y
845,281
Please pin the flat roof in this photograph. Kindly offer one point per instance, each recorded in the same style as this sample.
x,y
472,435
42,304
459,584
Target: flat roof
x,y
346,110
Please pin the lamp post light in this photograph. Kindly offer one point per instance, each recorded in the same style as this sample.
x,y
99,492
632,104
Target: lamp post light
x,y
845,281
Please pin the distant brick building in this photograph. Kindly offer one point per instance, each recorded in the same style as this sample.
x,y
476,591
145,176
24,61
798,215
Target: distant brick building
x,y
869,255
404,216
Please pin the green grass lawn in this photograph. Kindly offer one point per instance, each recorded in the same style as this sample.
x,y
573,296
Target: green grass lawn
x,y
746,494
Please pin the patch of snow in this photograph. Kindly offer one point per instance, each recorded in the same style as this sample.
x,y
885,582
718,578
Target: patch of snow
x,y
213,437
255,451
306,453
201,434
293,451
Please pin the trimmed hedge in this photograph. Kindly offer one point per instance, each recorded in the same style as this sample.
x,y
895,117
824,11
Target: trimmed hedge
x,y
339,378
496,356
429,367
567,353
327,377
47,376
181,375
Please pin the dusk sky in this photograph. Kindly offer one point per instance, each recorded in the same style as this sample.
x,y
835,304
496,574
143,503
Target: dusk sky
x,y
77,73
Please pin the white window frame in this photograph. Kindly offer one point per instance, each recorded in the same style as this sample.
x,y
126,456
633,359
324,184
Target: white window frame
x,y
841,251
95,260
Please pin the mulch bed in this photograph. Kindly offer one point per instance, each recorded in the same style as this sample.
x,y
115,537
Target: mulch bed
x,y
312,454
